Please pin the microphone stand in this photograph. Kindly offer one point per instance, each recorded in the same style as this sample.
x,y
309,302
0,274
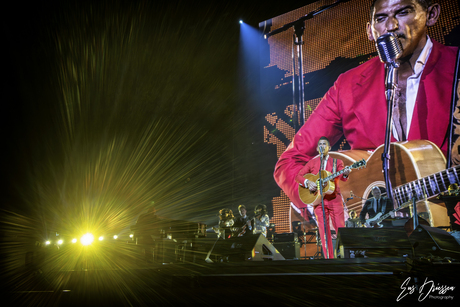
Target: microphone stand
x,y
358,197
390,85
322,201
415,216
299,27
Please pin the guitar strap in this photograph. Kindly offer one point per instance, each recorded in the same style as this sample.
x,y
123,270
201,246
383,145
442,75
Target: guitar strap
x,y
453,137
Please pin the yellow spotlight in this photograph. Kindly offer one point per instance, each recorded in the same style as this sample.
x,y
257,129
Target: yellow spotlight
x,y
101,238
48,242
74,240
131,235
115,237
60,242
87,239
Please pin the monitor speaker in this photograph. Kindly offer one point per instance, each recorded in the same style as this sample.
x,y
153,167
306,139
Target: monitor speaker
x,y
289,250
373,242
431,241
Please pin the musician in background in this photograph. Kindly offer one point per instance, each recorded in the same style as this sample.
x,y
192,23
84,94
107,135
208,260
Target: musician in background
x,y
353,220
375,205
333,203
261,220
226,222
242,223
451,199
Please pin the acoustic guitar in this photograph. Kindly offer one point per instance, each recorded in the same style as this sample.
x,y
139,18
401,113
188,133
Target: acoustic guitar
x,y
314,198
417,169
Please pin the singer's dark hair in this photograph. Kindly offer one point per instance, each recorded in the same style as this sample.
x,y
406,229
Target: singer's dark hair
x,y
324,138
424,3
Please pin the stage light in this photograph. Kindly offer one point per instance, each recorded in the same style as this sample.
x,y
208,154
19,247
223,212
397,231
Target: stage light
x,y
74,240
131,235
87,239
48,242
101,238
241,22
115,237
60,242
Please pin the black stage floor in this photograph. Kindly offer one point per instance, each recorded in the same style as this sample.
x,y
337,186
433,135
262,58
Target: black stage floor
x,y
354,282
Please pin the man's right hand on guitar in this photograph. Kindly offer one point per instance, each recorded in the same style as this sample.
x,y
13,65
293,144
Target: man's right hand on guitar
x,y
312,186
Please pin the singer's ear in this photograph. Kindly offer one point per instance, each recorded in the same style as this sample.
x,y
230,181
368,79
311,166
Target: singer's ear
x,y
433,14
369,32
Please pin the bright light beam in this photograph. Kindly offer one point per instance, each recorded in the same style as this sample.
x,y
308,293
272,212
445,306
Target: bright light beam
x,y
87,239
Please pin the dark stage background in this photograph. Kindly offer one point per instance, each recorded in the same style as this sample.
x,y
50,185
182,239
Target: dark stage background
x,y
109,107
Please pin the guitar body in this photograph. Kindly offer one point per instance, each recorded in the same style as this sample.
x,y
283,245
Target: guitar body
x,y
410,160
314,198
370,222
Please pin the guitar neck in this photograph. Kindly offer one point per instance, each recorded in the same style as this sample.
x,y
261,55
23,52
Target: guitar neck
x,y
389,213
426,187
332,176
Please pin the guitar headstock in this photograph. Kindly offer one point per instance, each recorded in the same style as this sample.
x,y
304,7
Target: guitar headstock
x,y
359,164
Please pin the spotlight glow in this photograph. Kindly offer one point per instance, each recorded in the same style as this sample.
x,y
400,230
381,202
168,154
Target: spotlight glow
x,y
60,242
101,238
47,242
241,22
74,240
87,239
115,237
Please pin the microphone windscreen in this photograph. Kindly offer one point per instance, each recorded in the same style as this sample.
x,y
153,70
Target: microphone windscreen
x,y
389,47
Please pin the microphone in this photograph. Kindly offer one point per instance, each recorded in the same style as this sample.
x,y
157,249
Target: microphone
x,y
321,150
389,48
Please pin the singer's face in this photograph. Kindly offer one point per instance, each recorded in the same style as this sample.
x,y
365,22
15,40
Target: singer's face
x,y
324,145
406,18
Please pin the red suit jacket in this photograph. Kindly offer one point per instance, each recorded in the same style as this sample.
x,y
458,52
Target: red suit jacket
x,y
355,106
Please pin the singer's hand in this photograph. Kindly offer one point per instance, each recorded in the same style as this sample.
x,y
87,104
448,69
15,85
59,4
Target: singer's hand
x,y
312,186
346,172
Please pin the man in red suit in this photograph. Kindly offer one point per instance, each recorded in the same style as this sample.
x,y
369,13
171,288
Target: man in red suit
x,y
355,107
333,203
